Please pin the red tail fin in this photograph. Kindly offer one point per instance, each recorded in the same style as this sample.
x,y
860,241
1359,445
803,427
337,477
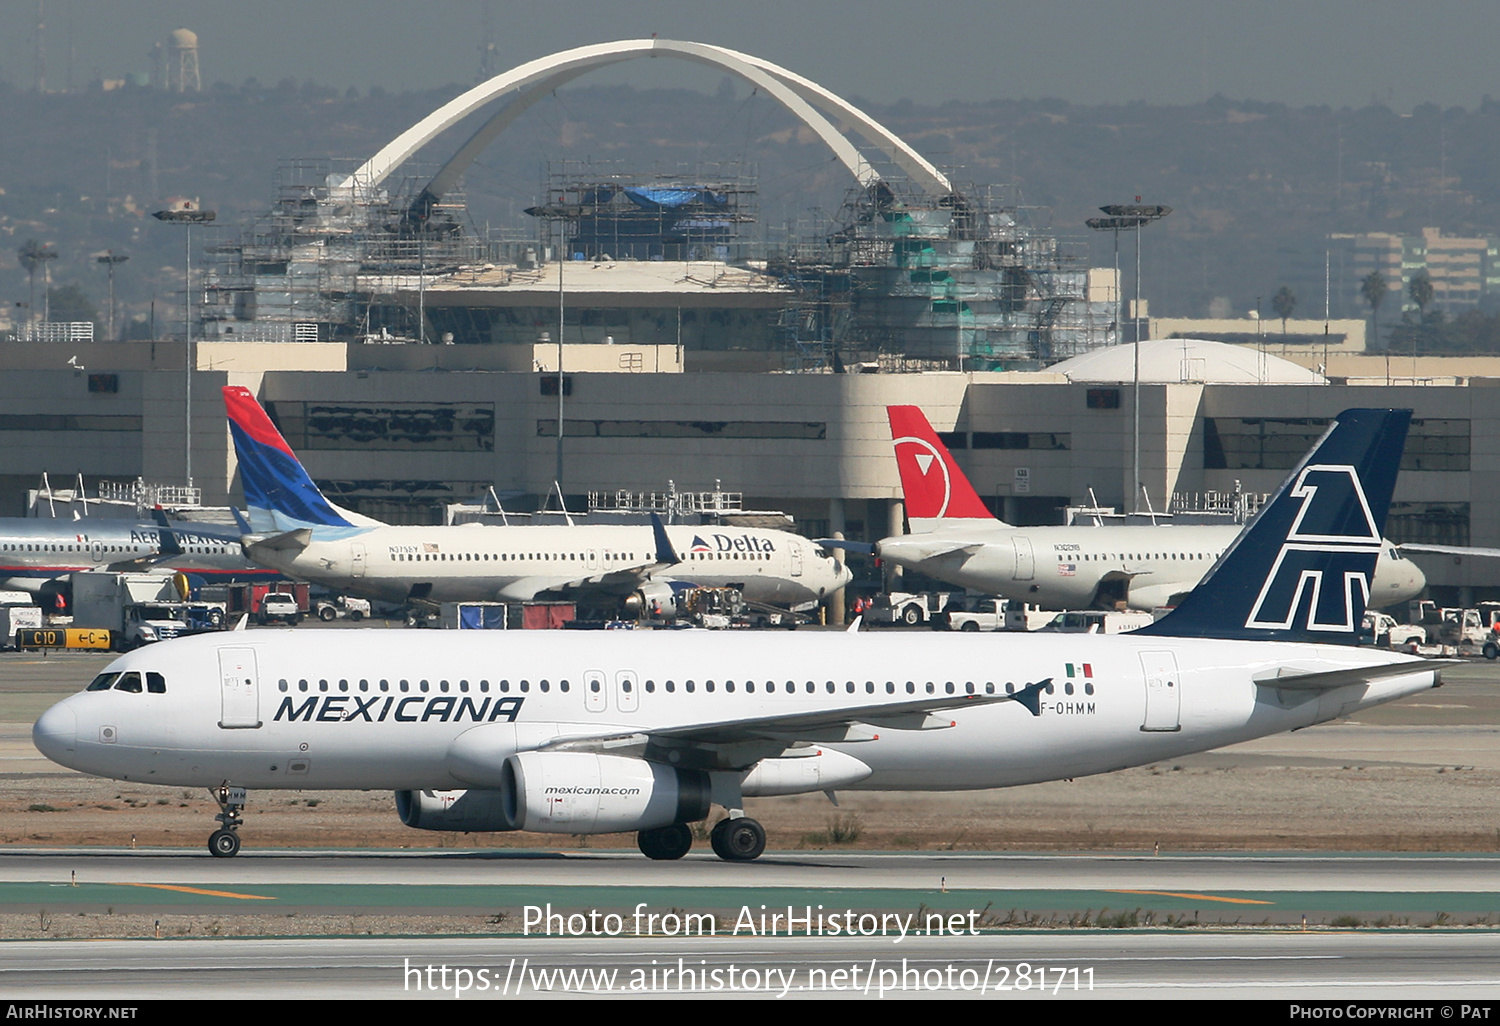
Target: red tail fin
x,y
936,490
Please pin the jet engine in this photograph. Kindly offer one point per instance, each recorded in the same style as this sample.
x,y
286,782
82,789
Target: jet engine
x,y
466,811
644,602
583,793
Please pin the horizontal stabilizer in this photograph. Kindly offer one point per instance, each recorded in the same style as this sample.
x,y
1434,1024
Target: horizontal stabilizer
x,y
1451,550
288,541
1291,678
862,548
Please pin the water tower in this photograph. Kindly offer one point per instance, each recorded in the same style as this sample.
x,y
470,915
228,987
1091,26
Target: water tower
x,y
180,70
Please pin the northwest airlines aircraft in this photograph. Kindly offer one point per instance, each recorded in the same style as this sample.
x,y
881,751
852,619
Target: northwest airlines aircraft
x,y
302,534
645,731
955,538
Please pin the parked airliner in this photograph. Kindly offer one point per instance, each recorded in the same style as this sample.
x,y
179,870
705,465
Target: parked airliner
x,y
38,555
955,538
645,731
299,532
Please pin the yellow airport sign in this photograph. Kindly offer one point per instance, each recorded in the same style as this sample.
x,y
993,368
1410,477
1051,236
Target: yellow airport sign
x,y
60,637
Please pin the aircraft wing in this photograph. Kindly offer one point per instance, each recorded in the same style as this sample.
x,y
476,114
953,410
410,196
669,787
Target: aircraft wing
x,y
742,742
1292,678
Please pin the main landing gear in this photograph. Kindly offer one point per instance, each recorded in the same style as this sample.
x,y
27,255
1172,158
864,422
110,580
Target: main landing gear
x,y
665,843
224,843
738,839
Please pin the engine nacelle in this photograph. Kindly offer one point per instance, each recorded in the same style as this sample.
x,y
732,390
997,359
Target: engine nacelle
x,y
820,769
649,597
583,793
464,811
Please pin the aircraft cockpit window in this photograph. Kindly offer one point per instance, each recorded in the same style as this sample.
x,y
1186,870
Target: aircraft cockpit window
x,y
129,682
103,682
156,684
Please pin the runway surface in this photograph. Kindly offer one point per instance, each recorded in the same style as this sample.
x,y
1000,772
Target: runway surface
x,y
1448,970
996,889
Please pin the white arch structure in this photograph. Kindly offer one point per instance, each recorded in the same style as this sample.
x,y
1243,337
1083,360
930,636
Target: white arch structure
x,y
536,79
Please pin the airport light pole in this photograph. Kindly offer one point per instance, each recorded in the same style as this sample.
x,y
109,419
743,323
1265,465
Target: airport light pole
x,y
1131,217
109,258
187,214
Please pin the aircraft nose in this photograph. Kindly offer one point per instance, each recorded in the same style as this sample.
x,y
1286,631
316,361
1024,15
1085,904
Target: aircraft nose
x,y
55,734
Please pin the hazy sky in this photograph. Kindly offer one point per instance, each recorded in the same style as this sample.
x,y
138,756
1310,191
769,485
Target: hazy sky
x,y
1337,52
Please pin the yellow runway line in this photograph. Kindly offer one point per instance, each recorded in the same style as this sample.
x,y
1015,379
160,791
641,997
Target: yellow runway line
x,y
199,890
1199,897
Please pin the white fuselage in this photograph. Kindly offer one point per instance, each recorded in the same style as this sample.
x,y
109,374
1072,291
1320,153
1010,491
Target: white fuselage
x,y
387,710
487,563
1077,567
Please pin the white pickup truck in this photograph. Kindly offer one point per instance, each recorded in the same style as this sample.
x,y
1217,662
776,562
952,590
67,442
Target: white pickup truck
x,y
986,614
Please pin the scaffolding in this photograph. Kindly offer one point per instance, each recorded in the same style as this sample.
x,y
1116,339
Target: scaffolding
x,y
958,280
608,212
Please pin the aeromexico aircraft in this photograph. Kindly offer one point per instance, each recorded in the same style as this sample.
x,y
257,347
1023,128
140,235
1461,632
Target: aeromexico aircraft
x,y
38,555
645,731
955,538
299,532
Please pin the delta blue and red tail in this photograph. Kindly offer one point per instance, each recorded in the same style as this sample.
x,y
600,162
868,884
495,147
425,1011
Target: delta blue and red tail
x,y
278,492
1302,568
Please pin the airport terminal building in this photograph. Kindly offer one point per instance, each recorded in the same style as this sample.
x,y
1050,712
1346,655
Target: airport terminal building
x,y
398,432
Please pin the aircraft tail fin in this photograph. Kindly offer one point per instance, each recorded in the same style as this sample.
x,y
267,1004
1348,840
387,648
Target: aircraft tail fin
x,y
279,493
936,491
1302,568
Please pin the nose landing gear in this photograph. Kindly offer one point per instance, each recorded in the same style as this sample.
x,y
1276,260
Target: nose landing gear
x,y
224,843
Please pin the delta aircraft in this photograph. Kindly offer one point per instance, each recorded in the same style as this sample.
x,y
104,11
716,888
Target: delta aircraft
x,y
299,532
39,555
646,731
955,538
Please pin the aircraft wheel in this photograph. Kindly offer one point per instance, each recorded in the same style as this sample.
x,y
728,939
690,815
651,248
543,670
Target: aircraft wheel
x,y
738,840
665,843
224,844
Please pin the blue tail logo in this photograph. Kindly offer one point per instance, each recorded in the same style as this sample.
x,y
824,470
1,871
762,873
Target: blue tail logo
x,y
1302,568
1325,565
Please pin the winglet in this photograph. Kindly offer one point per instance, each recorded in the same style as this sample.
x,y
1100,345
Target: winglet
x,y
1301,570
240,521
665,553
1031,696
169,545
935,489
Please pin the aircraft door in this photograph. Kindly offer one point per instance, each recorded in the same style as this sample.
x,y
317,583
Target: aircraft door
x,y
239,689
627,691
1163,692
594,684
796,552
1025,564
96,549
591,559
356,559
